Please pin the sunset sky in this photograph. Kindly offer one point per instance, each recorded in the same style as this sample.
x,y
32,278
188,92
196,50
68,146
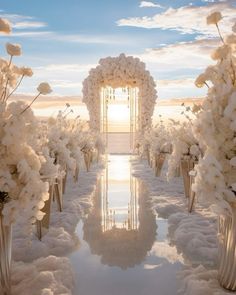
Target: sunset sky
x,y
62,40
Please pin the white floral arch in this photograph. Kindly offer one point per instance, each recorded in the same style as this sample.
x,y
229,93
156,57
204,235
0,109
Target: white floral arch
x,y
120,72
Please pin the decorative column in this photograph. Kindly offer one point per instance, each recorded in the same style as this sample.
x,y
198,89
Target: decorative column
x,y
227,250
5,255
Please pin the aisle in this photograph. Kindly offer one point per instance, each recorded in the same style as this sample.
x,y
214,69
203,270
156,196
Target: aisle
x,y
124,247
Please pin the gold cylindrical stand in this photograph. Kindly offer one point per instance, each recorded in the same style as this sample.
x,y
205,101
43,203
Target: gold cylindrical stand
x,y
5,255
227,250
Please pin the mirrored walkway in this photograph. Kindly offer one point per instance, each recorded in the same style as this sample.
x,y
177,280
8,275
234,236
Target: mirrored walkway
x,y
124,246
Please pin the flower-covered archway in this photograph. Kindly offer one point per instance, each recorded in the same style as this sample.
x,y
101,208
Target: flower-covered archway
x,y
120,72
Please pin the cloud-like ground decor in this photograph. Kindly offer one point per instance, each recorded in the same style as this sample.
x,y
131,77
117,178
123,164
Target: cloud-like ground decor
x,y
120,72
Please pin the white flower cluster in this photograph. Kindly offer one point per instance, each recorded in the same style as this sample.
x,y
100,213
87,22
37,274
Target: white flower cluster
x,y
158,139
69,139
119,72
20,166
215,127
22,191
184,145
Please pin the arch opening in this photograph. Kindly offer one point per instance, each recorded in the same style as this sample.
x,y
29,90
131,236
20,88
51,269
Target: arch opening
x,y
125,72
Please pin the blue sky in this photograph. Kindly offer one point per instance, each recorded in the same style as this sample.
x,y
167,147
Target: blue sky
x,y
62,40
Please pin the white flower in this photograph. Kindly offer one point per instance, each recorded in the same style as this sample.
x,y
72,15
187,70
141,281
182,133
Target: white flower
x,y
196,108
230,110
221,52
231,39
201,80
233,162
194,150
121,71
26,71
44,88
5,26
214,18
13,49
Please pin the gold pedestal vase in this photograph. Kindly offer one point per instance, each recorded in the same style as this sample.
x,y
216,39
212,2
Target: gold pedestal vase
x,y
76,173
177,172
43,225
148,156
159,161
227,250
88,157
5,255
192,194
59,187
186,166
64,180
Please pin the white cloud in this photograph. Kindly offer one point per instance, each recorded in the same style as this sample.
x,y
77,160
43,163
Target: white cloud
x,y
193,55
163,249
149,4
93,39
23,21
27,27
182,87
32,34
75,38
65,84
176,83
186,19
29,24
80,68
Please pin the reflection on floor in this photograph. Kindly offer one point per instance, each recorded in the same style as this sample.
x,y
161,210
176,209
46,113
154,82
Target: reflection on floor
x,y
124,247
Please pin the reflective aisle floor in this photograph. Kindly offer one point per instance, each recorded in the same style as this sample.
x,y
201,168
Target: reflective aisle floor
x,y
124,247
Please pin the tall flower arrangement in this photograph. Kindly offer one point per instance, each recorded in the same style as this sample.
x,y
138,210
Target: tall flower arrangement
x,y
58,142
20,166
185,146
215,128
160,145
22,191
20,184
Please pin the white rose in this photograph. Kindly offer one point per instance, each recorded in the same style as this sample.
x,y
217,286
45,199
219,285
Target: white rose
x,y
214,18
200,81
13,49
233,162
26,71
44,88
194,150
221,52
5,26
231,39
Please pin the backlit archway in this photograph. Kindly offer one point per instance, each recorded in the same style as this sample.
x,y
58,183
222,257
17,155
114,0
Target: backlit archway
x,y
120,72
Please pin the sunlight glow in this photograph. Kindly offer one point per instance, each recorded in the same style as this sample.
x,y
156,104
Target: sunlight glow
x,y
119,168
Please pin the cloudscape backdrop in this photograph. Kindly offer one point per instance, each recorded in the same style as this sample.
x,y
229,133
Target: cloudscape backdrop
x,y
62,40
